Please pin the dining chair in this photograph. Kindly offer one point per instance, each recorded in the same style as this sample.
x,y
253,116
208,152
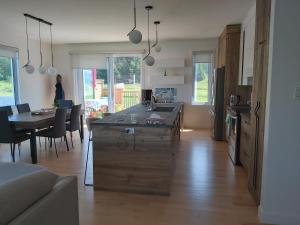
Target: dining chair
x,y
88,124
9,135
7,109
23,108
58,130
74,123
65,104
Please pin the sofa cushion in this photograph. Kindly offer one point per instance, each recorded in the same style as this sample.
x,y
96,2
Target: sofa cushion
x,y
10,171
19,193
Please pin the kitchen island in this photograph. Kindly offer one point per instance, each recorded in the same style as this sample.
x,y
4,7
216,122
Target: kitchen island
x,y
132,153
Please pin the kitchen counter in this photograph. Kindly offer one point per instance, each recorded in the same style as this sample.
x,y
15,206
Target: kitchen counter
x,y
130,155
141,113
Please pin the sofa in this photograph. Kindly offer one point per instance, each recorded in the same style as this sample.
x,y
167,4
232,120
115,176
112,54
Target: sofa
x,y
32,195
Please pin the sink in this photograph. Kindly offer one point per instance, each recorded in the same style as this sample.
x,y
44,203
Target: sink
x,y
163,109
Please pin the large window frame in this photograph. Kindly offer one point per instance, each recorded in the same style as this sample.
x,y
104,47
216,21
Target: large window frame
x,y
202,57
13,54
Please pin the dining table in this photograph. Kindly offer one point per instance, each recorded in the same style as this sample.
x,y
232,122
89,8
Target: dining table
x,y
33,121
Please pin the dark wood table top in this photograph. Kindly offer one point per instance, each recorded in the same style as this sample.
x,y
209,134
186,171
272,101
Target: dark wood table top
x,y
30,121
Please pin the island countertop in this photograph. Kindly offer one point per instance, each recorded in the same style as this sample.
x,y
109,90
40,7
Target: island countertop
x,y
137,116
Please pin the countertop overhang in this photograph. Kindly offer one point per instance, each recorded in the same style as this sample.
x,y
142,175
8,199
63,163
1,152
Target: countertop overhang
x,y
140,113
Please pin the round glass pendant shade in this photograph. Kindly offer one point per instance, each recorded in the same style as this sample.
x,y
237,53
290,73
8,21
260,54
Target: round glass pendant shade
x,y
42,69
150,60
157,48
29,68
52,71
135,36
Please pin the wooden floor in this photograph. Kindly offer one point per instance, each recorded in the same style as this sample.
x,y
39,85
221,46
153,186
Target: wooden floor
x,y
207,189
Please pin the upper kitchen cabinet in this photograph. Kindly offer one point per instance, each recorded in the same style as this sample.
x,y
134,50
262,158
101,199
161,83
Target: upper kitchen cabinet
x,y
228,57
247,48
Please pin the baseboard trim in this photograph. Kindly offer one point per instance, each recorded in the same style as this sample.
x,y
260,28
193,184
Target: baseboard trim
x,y
277,218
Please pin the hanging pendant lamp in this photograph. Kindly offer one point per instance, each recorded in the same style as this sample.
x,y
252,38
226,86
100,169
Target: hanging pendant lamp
x,y
42,68
156,45
28,67
135,36
51,70
148,58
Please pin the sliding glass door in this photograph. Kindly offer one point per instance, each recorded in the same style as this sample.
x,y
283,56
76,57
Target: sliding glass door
x,y
112,85
127,81
8,77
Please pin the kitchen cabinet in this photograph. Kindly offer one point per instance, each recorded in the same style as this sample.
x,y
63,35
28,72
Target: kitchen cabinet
x,y
245,140
257,115
228,57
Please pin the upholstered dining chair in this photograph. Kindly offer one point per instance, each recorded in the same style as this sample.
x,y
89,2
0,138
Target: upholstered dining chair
x,y
65,104
58,130
23,108
7,109
74,123
9,135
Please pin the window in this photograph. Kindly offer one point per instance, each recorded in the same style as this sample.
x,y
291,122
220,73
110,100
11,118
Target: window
x,y
202,69
8,76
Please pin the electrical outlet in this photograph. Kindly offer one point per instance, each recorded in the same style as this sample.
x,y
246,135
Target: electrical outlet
x,y
297,93
129,130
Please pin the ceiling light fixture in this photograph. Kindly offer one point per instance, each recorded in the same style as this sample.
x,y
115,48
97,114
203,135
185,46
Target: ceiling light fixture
x,y
28,67
42,68
148,58
156,44
51,70
135,36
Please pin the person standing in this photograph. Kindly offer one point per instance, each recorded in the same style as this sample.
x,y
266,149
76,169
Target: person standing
x,y
59,91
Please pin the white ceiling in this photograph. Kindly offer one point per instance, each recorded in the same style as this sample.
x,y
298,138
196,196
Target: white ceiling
x,y
83,21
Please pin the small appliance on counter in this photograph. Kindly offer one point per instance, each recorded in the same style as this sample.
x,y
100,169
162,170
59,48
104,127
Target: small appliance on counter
x,y
146,96
235,100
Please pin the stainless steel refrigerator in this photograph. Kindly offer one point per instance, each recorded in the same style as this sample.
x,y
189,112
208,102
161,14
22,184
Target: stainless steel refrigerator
x,y
217,109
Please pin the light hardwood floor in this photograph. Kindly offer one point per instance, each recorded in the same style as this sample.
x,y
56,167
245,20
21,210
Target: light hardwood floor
x,y
206,189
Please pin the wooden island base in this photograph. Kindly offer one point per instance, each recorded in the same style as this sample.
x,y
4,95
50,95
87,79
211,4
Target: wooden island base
x,y
139,162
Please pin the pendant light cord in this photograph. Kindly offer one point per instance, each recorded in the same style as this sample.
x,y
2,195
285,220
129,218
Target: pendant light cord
x,y
51,44
41,54
149,48
134,14
27,42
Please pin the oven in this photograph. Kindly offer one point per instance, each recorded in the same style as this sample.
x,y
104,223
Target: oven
x,y
233,136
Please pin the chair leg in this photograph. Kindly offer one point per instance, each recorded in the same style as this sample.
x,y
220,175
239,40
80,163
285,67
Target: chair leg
x,y
13,152
87,159
67,142
71,139
19,148
40,142
45,143
80,136
55,147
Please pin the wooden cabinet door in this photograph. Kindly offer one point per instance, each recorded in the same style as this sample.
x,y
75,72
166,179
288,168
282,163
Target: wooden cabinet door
x,y
261,58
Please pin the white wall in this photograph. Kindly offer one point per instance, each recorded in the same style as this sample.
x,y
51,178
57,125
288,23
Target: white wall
x,y
280,199
248,26
35,89
195,116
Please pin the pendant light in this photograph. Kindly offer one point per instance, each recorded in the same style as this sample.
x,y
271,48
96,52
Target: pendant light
x,y
51,70
42,68
28,67
135,36
148,58
156,45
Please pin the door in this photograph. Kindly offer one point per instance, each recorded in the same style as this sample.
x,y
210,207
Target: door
x,y
127,74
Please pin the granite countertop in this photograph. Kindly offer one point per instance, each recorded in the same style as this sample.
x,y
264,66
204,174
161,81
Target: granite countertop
x,y
137,116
